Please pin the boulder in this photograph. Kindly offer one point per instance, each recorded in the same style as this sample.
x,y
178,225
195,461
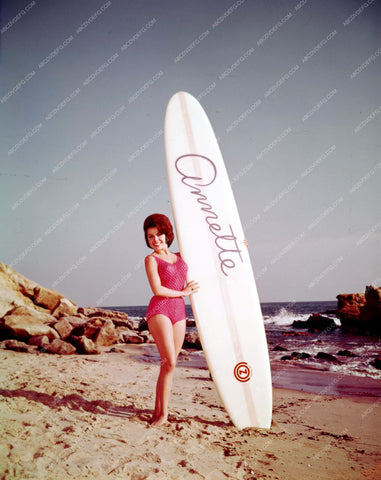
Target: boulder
x,y
101,330
60,347
64,307
64,328
132,337
39,340
147,337
25,311
76,320
106,334
16,345
84,345
360,313
46,298
22,327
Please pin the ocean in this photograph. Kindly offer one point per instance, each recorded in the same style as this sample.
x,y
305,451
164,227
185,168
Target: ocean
x,y
354,354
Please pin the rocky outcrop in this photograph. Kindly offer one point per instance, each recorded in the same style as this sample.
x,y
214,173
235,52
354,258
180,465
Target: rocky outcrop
x,y
17,290
360,312
34,318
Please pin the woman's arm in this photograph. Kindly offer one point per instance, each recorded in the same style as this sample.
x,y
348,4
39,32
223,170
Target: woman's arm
x,y
158,289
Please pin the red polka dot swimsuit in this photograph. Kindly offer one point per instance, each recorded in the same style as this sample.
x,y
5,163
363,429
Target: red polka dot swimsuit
x,y
172,275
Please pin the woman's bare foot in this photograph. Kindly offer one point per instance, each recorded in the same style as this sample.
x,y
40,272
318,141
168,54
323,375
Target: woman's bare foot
x,y
156,421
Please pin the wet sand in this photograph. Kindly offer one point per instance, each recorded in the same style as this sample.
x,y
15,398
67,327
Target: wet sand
x,y
86,417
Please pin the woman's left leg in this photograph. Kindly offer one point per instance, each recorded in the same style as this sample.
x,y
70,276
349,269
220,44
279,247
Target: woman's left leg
x,y
169,339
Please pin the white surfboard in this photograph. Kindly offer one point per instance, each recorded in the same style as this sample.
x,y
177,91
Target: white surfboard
x,y
211,240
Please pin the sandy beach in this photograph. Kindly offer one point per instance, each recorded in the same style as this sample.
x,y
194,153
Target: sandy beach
x,y
86,417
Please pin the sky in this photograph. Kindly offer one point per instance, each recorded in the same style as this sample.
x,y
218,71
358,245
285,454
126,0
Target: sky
x,y
292,89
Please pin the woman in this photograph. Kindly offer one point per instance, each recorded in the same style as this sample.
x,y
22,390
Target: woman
x,y
166,272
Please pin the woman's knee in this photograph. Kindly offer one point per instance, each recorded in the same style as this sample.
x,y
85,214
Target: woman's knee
x,y
168,364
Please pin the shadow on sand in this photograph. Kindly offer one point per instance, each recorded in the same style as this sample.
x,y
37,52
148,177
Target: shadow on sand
x,y
76,402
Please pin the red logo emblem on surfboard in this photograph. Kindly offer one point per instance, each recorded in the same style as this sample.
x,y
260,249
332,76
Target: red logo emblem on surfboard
x,y
242,372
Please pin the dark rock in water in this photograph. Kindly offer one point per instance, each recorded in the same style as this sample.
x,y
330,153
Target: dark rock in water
x,y
296,356
377,363
327,356
300,324
300,355
360,313
316,323
346,353
279,348
192,340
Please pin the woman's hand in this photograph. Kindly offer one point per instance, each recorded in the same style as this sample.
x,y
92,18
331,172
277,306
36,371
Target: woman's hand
x,y
190,288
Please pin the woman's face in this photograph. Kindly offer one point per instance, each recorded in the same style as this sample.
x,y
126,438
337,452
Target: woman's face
x,y
156,240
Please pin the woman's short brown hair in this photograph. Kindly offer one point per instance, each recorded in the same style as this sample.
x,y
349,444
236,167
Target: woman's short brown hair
x,y
162,223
